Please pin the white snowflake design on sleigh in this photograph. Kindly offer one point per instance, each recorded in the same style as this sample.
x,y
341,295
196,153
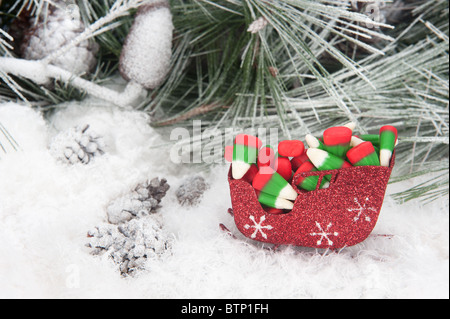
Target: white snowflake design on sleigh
x,y
258,226
362,209
324,234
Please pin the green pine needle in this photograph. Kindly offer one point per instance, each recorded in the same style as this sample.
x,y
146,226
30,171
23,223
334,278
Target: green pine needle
x,y
315,64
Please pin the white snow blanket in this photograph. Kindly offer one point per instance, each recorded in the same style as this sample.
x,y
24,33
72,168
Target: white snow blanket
x,y
47,208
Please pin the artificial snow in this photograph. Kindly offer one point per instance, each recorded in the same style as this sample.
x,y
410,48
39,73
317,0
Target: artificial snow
x,y
47,209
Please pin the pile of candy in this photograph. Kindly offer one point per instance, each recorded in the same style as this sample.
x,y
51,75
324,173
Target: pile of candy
x,y
271,173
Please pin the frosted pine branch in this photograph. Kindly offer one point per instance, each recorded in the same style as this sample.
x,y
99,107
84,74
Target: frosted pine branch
x,y
41,73
425,139
4,45
7,140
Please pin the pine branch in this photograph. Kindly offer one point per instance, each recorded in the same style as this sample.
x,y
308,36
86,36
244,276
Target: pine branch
x,y
427,191
31,91
406,85
291,41
298,65
203,109
5,47
40,73
7,140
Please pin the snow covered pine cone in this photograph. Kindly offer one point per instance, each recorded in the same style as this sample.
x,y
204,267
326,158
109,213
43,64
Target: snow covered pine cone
x,y
48,34
146,53
77,145
132,244
191,191
391,13
143,200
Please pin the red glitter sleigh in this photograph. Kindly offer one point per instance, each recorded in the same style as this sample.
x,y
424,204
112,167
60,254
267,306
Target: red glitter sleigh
x,y
342,215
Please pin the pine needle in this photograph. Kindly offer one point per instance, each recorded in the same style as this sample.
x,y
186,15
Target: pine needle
x,y
299,66
7,138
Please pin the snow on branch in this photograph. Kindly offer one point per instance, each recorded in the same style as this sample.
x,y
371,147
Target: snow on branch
x,y
41,73
4,45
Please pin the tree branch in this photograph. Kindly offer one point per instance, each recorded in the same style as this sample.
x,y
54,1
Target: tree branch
x,y
41,73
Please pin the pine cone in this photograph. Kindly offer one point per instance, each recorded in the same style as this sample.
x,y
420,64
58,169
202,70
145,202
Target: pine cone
x,y
386,12
191,191
378,11
143,200
77,145
49,34
131,244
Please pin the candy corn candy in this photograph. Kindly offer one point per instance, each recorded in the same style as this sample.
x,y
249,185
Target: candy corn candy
x,y
296,162
310,183
275,185
229,153
355,141
284,167
274,202
245,153
266,156
388,138
363,154
251,173
291,148
324,161
351,125
337,140
314,142
373,138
